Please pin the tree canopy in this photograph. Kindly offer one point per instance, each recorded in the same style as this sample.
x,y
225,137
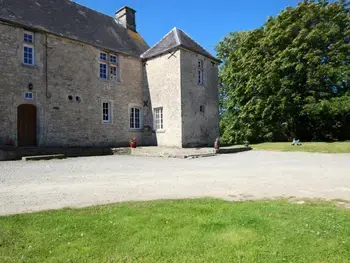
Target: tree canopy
x,y
289,78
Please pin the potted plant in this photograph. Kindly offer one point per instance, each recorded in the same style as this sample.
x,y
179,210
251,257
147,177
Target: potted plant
x,y
9,142
132,141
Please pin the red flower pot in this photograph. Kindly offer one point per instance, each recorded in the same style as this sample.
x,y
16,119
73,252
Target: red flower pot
x,y
133,144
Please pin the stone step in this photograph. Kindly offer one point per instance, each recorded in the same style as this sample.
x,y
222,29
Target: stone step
x,y
43,157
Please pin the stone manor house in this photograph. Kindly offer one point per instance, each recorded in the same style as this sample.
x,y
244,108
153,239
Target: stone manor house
x,y
73,77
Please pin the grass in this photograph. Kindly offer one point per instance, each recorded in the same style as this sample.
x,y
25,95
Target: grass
x,y
199,230
321,147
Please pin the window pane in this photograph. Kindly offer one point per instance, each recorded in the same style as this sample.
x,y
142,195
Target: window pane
x,y
114,73
135,118
28,56
28,38
158,118
106,115
103,71
113,59
103,56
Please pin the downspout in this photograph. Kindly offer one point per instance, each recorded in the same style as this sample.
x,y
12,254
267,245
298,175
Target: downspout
x,y
47,93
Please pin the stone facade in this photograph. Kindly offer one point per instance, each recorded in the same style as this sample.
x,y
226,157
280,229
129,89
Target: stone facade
x,y
72,70
68,94
200,102
172,81
163,76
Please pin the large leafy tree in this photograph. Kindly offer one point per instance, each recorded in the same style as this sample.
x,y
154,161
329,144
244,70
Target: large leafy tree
x,y
289,78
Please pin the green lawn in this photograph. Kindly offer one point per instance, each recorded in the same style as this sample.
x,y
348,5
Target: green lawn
x,y
200,230
322,147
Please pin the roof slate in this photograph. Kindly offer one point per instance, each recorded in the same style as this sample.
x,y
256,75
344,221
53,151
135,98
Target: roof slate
x,y
174,39
68,19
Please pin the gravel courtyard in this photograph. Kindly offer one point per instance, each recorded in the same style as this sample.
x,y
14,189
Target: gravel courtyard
x,y
76,182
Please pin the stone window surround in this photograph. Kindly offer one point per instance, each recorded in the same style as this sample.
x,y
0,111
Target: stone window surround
x,y
137,106
106,59
161,109
27,33
28,45
200,72
102,78
28,95
110,113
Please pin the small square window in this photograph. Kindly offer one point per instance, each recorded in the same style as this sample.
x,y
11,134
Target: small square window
x,y
113,59
201,108
28,37
103,56
28,95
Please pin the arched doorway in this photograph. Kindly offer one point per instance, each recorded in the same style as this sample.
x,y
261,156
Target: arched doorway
x,y
26,125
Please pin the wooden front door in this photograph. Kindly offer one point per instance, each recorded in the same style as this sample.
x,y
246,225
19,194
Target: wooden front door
x,y
26,125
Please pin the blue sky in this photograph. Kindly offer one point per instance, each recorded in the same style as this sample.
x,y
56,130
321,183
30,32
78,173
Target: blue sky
x,y
206,21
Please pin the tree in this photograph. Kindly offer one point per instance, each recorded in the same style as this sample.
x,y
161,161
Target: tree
x,y
276,79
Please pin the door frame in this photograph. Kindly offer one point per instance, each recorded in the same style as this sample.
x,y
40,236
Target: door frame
x,y
36,124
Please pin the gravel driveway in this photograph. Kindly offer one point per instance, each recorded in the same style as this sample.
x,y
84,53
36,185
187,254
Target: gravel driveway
x,y
76,182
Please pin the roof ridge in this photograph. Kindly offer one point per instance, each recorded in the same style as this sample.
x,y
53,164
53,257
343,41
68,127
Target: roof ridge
x,y
93,10
176,30
194,40
158,42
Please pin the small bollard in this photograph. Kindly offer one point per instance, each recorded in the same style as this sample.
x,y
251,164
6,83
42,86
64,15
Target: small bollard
x,y
217,145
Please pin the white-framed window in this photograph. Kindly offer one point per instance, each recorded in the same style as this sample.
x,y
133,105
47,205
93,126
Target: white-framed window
x,y
103,71
200,72
113,59
158,117
106,112
28,48
28,95
28,37
135,118
109,67
103,56
114,72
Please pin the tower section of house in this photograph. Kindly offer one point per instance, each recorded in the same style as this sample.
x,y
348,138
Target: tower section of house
x,y
182,80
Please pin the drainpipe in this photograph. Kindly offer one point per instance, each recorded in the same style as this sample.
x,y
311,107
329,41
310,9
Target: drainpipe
x,y
47,93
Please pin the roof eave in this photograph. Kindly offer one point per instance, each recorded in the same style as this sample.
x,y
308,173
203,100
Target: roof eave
x,y
63,36
178,47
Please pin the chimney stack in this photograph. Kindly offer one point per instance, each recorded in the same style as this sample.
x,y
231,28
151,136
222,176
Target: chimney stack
x,y
126,17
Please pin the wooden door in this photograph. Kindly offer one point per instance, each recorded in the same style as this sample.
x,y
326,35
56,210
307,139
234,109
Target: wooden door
x,y
26,125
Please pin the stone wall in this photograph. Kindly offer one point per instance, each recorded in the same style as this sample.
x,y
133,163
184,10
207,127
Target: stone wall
x,y
72,69
163,75
199,128
15,78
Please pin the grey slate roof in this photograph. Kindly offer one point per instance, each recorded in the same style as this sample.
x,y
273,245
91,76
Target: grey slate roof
x,y
174,39
68,19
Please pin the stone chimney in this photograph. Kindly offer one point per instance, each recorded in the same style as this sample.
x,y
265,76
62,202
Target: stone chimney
x,y
126,17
